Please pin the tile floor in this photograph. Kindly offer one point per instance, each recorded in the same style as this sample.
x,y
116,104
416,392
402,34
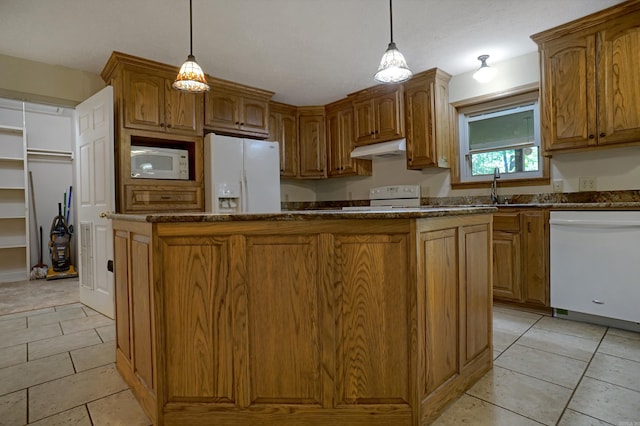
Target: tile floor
x,y
57,368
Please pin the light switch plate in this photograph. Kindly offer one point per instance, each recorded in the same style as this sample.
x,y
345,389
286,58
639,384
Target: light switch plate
x,y
558,186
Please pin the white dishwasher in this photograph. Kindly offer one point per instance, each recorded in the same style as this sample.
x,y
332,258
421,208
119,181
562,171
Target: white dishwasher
x,y
595,263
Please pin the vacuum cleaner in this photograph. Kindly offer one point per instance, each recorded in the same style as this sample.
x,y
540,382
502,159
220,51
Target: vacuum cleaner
x,y
60,249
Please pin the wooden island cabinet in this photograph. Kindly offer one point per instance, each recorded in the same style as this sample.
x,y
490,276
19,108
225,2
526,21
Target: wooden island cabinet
x,y
303,318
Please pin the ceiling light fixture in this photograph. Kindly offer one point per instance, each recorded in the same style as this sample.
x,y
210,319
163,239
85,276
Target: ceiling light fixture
x,y
393,67
485,73
191,78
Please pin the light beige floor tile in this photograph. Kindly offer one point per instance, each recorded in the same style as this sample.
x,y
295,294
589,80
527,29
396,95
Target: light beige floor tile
x,y
62,394
503,339
561,344
57,316
513,323
16,337
574,328
573,418
21,376
78,324
107,333
76,416
13,324
26,313
517,312
623,333
69,306
94,356
554,368
607,402
119,409
90,312
470,410
64,343
13,355
530,397
618,371
622,347
13,408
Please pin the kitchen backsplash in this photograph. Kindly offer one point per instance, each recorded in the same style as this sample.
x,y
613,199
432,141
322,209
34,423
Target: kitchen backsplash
x,y
549,198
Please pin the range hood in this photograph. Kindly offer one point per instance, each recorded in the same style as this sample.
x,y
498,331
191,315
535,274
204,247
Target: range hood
x,y
382,149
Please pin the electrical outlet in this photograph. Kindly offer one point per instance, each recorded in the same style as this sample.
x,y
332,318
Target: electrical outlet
x,y
424,191
587,183
286,197
557,185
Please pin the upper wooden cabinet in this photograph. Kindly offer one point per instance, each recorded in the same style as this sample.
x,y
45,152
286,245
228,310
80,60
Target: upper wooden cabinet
x,y
341,141
590,80
148,102
283,128
236,110
378,114
428,119
312,145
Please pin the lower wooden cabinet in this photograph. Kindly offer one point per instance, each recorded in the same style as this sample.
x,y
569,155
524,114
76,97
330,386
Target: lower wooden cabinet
x,y
521,257
325,322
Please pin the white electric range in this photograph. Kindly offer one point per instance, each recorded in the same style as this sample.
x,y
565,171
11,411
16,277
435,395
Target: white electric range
x,y
391,197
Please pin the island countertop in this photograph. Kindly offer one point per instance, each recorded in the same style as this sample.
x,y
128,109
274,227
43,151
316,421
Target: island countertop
x,y
304,215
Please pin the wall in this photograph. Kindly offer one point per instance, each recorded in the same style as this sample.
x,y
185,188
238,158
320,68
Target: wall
x,y
44,83
614,169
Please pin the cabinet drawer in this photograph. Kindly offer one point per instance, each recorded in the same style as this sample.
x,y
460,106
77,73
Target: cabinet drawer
x,y
163,200
509,222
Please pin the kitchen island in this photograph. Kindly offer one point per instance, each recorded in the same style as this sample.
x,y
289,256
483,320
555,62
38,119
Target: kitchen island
x,y
303,318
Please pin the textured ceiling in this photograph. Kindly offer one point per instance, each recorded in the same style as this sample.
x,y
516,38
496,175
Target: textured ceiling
x,y
309,52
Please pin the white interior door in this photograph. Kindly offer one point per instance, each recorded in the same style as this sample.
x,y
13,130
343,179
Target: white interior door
x,y
95,195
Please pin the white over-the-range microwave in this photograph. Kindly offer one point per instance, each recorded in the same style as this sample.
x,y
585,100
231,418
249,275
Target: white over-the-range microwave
x,y
159,163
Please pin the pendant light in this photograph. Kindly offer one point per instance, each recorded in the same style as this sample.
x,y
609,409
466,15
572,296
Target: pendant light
x,y
485,73
191,78
393,67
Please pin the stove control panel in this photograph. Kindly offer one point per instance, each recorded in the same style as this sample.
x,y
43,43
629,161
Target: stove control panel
x,y
395,192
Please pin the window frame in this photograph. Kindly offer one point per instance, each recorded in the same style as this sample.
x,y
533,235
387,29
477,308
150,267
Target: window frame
x,y
460,176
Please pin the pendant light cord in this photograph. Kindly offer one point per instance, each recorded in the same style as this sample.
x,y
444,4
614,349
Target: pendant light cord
x,y
391,19
190,28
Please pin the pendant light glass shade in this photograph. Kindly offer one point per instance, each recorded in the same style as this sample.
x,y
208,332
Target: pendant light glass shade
x,y
485,73
393,67
190,77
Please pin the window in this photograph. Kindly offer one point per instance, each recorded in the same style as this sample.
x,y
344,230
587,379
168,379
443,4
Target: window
x,y
501,134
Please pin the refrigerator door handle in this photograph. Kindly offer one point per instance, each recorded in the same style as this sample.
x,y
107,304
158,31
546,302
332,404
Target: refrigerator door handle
x,y
245,192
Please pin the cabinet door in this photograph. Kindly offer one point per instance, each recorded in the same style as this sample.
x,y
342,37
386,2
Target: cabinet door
x,y
222,110
183,111
388,108
535,251
506,266
619,81
143,106
312,146
253,117
419,110
568,107
333,143
364,122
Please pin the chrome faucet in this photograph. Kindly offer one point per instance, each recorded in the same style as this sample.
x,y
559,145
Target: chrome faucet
x,y
494,186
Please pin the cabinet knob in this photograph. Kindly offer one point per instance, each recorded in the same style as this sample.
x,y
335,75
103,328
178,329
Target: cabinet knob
x,y
591,136
161,124
169,126
242,124
603,134
237,122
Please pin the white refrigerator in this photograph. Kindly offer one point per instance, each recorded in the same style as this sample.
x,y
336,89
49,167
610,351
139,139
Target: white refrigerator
x,y
241,175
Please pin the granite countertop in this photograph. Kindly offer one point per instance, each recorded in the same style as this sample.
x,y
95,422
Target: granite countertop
x,y
303,215
630,205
